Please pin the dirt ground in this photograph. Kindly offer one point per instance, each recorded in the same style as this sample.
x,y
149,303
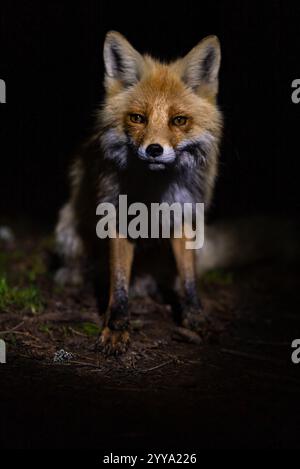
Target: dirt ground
x,y
237,389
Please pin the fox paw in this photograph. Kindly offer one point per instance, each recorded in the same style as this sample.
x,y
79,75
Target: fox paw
x,y
114,342
195,320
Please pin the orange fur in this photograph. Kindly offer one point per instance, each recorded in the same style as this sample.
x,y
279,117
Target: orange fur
x,y
161,95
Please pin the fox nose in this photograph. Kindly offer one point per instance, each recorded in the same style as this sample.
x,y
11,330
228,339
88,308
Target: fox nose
x,y
154,150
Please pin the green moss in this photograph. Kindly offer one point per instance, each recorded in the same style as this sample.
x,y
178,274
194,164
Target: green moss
x,y
25,298
4,261
19,267
217,276
90,329
45,329
36,269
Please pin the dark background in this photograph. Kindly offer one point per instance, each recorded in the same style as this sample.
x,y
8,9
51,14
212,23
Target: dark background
x,y
51,60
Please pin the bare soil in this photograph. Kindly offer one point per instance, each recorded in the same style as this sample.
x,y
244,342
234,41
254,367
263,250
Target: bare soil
x,y
236,389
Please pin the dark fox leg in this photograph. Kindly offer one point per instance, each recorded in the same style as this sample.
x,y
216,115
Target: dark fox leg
x,y
115,335
69,248
192,316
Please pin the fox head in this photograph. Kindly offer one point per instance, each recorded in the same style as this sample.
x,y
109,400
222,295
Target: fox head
x,y
163,115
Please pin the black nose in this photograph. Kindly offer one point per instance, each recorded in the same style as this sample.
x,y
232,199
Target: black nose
x,y
154,150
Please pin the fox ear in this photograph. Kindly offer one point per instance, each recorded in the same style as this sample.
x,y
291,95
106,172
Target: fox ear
x,y
122,62
200,67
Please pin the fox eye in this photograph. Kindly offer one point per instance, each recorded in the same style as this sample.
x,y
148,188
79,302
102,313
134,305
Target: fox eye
x,y
179,120
137,118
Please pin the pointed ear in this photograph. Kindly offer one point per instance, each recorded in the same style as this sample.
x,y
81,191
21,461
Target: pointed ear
x,y
200,67
122,62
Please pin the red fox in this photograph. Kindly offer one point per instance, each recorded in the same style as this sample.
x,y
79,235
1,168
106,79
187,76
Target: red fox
x,y
156,139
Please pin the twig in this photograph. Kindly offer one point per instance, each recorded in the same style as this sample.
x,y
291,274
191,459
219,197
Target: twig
x,y
157,366
13,329
26,334
33,346
85,358
176,359
77,332
75,362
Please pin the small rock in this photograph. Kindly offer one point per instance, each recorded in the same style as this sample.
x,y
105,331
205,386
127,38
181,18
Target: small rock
x,y
62,356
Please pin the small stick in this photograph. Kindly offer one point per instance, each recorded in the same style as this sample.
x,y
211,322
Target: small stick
x,y
75,362
156,367
17,326
77,332
13,330
25,334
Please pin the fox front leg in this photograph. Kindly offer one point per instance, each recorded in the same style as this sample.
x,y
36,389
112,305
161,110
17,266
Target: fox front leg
x,y
192,315
115,335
